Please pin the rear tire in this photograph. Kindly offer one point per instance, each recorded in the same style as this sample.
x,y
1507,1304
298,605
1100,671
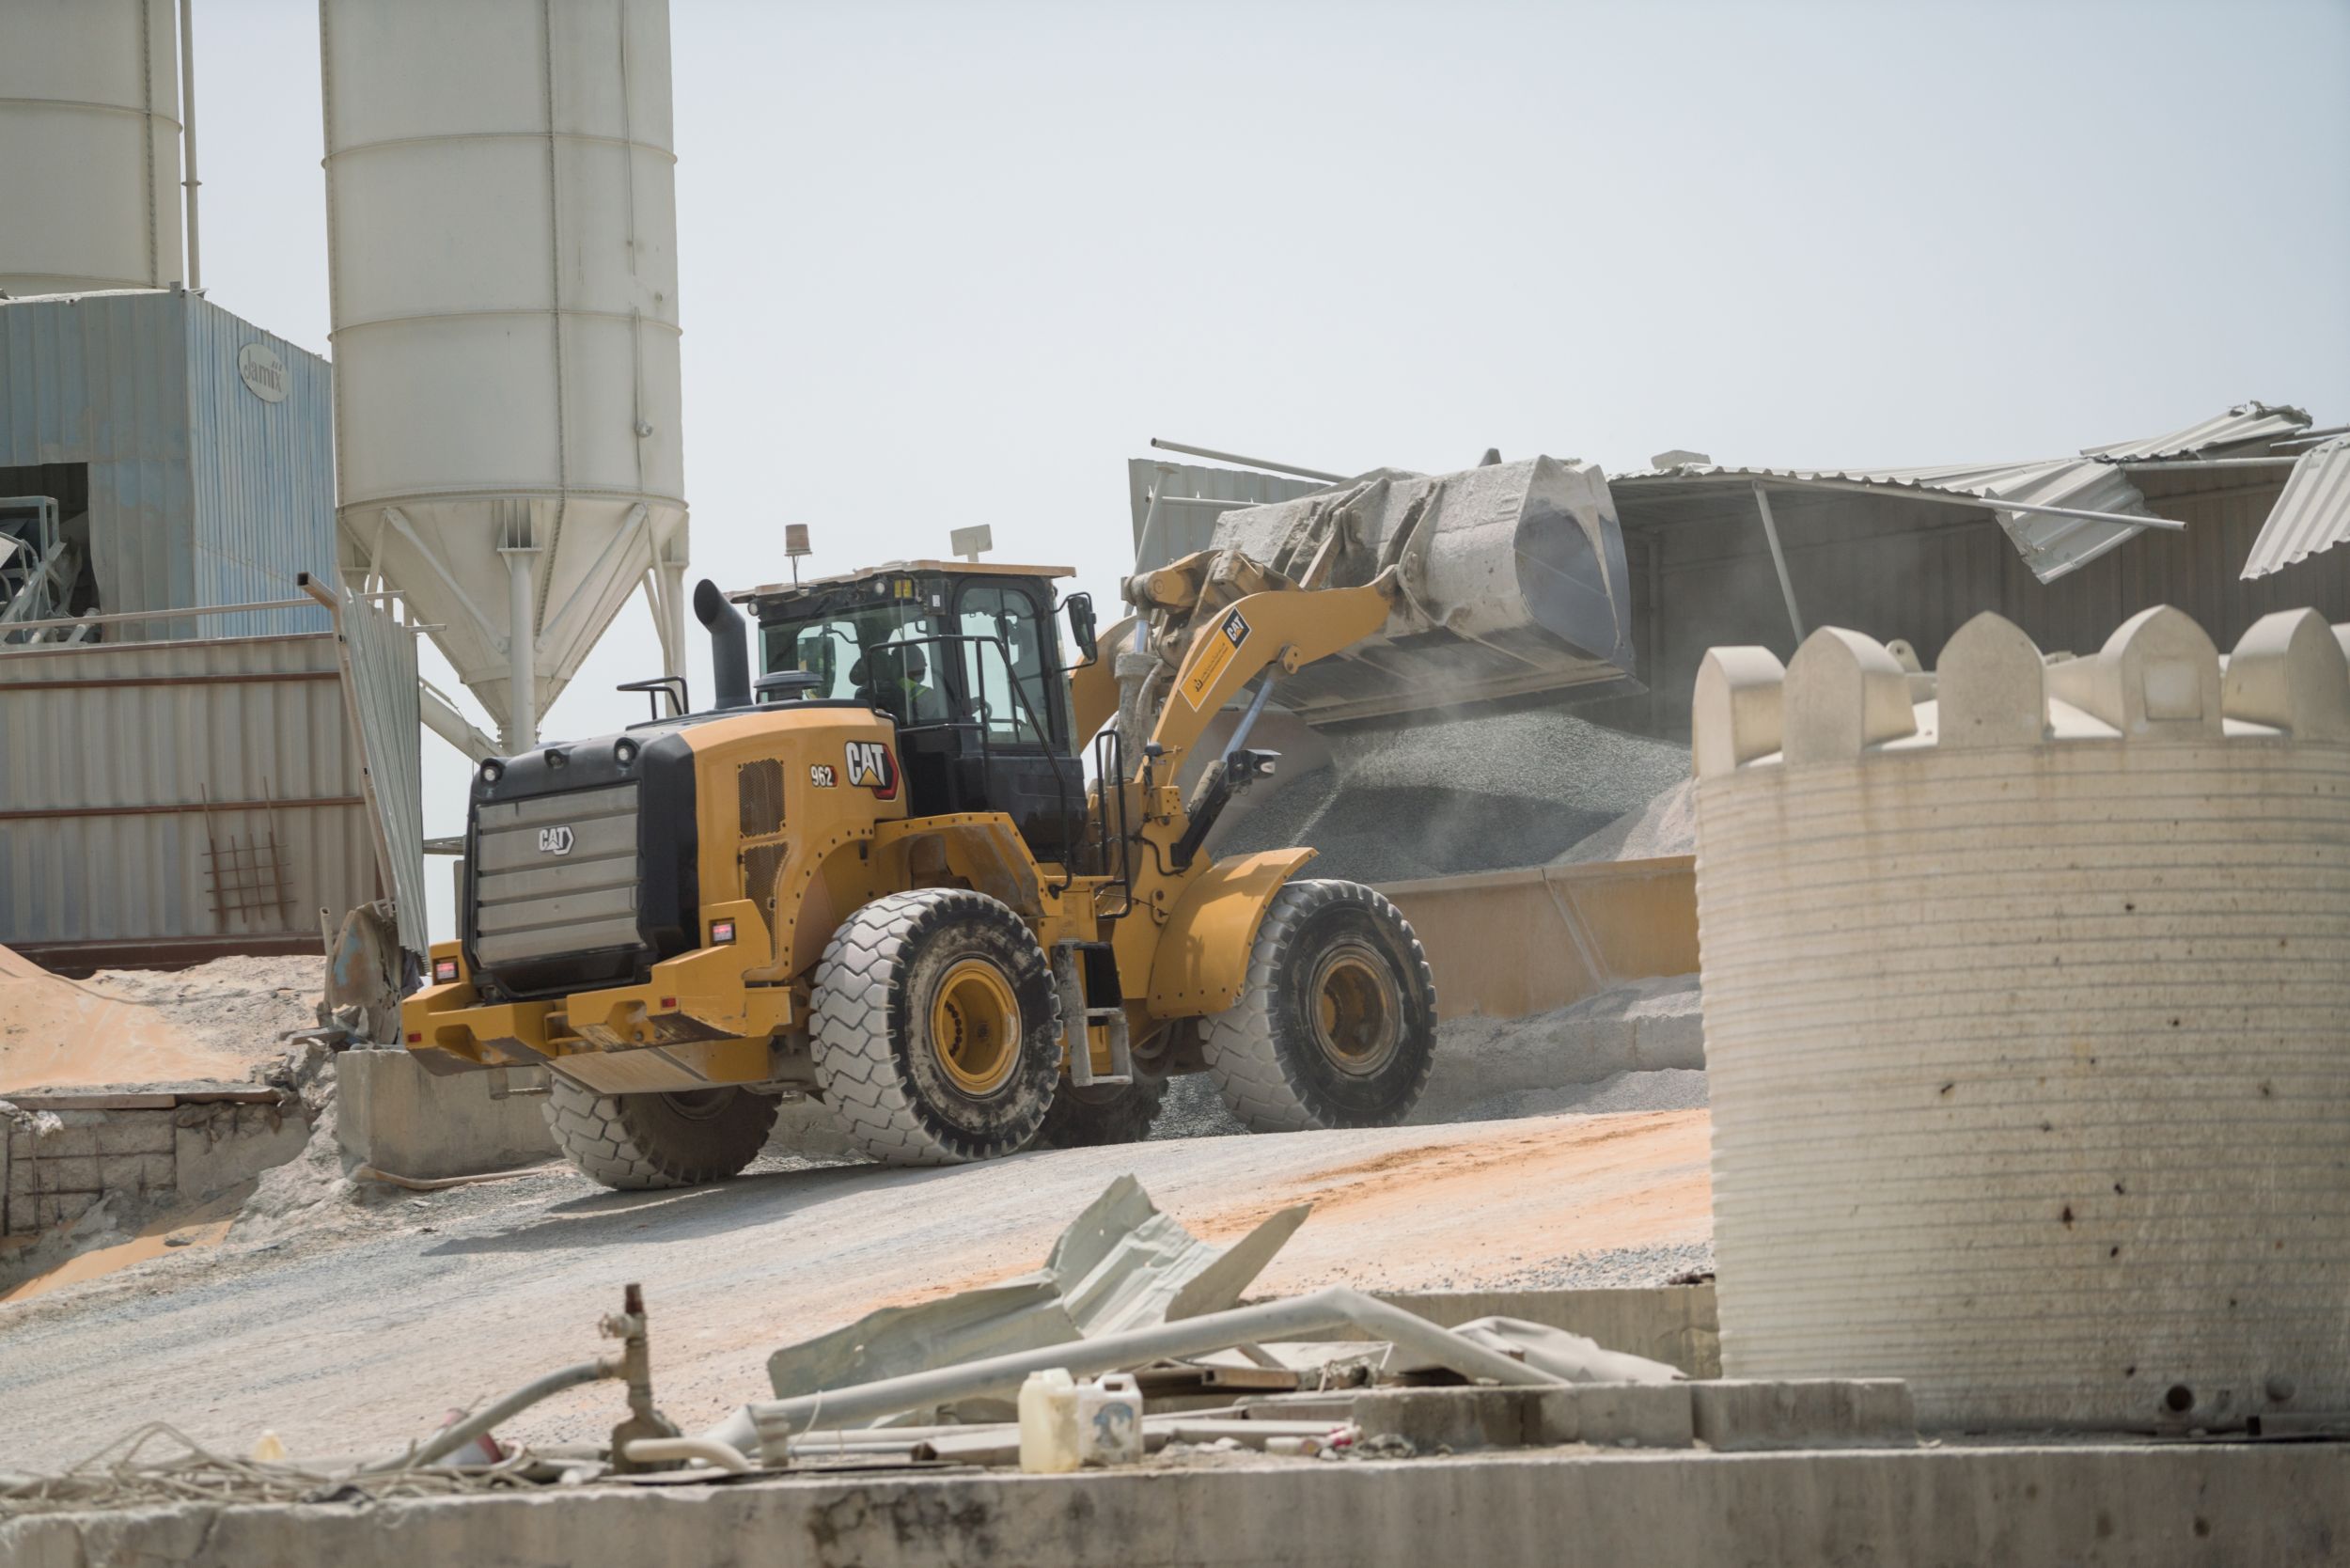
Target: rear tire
x,y
1336,1024
633,1142
936,1028
1101,1115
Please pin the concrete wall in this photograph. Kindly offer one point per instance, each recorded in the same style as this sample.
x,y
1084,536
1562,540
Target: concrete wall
x,y
71,1151
392,1114
2022,1507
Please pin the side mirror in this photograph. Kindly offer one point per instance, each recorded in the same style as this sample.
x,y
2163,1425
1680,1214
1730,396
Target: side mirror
x,y
1081,627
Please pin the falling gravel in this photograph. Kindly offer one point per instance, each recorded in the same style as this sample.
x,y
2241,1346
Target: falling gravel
x,y
1666,825
1471,794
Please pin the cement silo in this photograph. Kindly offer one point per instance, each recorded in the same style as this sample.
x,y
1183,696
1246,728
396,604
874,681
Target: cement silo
x,y
90,145
501,218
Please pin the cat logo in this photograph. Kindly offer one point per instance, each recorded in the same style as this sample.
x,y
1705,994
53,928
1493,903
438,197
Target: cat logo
x,y
870,767
555,840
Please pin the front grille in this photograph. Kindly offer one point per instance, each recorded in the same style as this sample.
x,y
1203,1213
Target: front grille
x,y
555,874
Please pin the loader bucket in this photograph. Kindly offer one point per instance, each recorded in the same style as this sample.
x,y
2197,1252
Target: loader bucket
x,y
1513,577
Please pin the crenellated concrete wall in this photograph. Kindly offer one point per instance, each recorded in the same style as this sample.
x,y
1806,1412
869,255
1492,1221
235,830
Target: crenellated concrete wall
x,y
2028,1020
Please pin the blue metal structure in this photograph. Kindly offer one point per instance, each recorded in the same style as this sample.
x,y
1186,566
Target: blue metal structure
x,y
191,452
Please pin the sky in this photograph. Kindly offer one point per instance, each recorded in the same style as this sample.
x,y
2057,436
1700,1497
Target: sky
x,y
954,263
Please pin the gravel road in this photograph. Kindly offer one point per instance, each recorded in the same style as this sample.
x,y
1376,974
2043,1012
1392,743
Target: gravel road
x,y
366,1328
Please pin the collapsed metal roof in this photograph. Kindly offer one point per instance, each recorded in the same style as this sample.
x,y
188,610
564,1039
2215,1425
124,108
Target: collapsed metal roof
x,y
2312,515
2060,512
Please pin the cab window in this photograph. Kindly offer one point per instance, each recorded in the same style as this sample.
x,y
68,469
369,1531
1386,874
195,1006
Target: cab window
x,y
881,655
1005,642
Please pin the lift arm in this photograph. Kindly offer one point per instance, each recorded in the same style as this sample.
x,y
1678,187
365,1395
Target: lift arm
x,y
1288,627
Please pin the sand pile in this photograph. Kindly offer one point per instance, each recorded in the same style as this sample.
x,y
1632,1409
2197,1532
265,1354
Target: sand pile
x,y
217,1021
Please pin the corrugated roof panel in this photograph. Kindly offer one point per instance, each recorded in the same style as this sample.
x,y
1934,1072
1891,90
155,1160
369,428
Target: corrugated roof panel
x,y
2312,515
2093,481
380,684
2051,546
2243,425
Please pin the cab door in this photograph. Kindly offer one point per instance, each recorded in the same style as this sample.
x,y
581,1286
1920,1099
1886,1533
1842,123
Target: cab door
x,y
1008,679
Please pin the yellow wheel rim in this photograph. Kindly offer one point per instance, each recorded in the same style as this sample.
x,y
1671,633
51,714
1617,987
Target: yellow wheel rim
x,y
1357,1012
975,1027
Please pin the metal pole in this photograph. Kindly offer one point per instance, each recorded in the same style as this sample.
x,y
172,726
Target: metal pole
x,y
522,654
1778,558
1918,491
2196,466
187,138
1215,456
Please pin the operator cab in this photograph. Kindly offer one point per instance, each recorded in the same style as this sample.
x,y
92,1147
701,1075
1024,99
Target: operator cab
x,y
966,658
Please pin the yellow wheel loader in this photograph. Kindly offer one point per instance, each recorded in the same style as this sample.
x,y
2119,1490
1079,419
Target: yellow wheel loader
x,y
884,875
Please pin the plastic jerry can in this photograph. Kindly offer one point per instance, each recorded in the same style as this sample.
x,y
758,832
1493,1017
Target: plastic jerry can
x,y
1048,1422
1109,1421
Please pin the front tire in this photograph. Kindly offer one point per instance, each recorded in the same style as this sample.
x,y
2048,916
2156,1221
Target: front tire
x,y
1336,1024
634,1142
936,1028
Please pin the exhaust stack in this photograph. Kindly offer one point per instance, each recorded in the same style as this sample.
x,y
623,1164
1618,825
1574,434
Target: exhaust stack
x,y
730,647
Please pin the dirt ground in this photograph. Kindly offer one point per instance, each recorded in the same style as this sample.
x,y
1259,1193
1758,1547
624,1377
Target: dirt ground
x,y
355,1334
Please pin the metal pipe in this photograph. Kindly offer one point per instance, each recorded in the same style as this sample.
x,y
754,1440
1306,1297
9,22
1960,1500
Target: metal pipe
x,y
1215,456
125,616
777,1422
2196,465
450,1438
660,1450
1899,492
1778,558
522,652
187,139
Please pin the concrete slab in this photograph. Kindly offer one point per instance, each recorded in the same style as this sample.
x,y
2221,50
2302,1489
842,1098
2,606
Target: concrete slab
x,y
1739,1414
393,1115
1673,1323
2086,1506
1605,1414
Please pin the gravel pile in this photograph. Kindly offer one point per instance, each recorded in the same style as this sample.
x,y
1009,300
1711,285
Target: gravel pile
x,y
1666,825
1472,794
1623,1267
244,1005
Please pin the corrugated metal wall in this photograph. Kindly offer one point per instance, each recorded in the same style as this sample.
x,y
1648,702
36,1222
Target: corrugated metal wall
x,y
200,492
1905,569
262,475
101,379
108,755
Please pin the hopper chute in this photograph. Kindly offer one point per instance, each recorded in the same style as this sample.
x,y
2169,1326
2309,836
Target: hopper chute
x,y
1511,581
